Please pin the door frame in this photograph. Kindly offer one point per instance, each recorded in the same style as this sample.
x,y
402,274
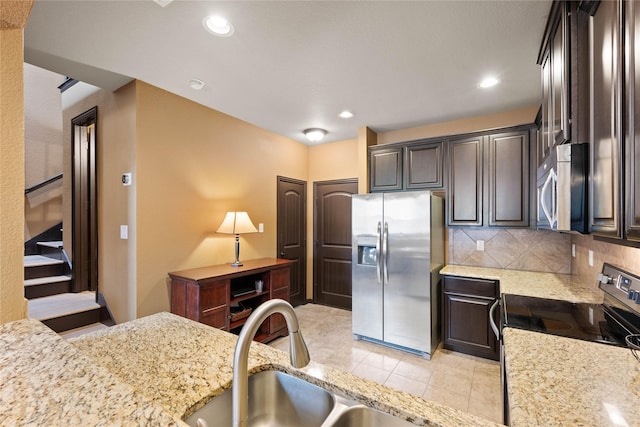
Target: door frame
x,y
84,200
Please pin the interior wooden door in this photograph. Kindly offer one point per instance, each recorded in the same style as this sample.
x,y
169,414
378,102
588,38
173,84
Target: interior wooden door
x,y
292,233
332,242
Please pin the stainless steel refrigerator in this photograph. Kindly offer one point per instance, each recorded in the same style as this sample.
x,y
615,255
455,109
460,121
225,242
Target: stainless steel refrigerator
x,y
397,255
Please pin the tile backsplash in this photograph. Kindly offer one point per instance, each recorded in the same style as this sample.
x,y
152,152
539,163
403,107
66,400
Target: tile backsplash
x,y
512,248
621,256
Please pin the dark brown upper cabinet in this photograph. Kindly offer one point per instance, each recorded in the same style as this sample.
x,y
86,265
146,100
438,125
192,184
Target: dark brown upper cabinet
x,y
606,116
489,179
464,192
509,179
385,168
424,163
407,166
555,61
632,129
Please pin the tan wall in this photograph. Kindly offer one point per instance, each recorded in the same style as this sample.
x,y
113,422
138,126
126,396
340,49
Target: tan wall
x,y
43,148
471,124
193,164
116,204
13,17
335,160
621,256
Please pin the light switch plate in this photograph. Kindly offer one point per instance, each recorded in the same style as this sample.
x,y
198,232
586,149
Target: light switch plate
x,y
261,228
124,232
126,179
480,245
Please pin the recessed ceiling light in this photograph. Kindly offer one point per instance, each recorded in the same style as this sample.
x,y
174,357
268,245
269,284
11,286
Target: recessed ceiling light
x,y
346,114
315,134
218,25
488,82
196,84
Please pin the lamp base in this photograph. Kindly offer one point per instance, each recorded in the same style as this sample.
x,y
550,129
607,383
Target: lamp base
x,y
236,264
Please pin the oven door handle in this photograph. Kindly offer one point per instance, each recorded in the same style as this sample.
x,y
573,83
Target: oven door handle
x,y
492,323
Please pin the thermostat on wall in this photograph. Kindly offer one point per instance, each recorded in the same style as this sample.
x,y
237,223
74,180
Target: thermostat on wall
x,y
126,178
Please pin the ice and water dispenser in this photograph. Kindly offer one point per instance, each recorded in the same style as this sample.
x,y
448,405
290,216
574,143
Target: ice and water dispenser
x,y
367,250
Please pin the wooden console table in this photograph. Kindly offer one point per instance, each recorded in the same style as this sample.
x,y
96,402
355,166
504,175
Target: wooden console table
x,y
223,296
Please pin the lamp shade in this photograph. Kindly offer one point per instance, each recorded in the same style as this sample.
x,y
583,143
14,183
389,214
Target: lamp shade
x,y
237,223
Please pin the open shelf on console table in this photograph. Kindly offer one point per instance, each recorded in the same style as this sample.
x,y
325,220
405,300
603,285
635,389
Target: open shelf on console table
x,y
205,294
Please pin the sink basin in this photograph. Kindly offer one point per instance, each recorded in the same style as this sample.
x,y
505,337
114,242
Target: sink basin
x,y
362,416
275,399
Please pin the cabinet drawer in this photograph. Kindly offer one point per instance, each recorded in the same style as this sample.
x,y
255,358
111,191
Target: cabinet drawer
x,y
280,279
213,295
216,317
471,286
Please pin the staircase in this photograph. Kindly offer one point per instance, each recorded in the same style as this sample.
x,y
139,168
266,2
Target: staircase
x,y
48,289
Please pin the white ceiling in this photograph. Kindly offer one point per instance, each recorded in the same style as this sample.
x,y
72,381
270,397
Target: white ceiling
x,y
292,65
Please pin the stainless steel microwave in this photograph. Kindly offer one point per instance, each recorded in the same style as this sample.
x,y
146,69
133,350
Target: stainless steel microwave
x,y
562,189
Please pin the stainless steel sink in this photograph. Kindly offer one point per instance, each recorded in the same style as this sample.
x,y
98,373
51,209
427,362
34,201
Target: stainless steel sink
x,y
362,416
275,399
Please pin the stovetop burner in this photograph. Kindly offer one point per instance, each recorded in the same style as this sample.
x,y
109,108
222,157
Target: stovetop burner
x,y
607,323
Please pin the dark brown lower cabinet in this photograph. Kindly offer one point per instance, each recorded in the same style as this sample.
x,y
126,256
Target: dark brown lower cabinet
x,y
465,327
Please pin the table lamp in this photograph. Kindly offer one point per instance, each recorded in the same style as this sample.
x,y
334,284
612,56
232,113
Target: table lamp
x,y
237,223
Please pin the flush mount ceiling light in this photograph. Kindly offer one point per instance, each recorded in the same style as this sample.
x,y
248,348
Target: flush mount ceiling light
x,y
196,84
218,25
163,3
315,134
346,114
488,82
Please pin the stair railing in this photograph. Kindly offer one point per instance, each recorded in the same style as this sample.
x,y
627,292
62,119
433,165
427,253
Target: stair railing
x,y
43,184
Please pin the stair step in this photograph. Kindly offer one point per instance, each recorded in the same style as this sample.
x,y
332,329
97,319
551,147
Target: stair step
x,y
39,261
55,244
74,333
46,280
62,305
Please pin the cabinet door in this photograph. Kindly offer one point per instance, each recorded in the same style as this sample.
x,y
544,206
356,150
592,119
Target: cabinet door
x,y
467,328
280,279
605,150
509,179
546,138
632,103
385,169
424,165
560,67
464,192
276,321
213,309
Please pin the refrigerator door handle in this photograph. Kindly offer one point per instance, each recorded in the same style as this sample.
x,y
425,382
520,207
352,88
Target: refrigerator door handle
x,y
385,252
378,255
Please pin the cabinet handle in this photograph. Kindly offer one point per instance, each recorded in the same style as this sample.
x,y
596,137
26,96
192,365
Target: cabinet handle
x,y
492,323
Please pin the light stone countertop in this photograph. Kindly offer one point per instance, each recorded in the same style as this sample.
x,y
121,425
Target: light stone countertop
x,y
542,285
45,381
556,381
180,365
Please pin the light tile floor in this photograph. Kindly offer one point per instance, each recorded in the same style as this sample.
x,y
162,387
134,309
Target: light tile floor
x,y
457,380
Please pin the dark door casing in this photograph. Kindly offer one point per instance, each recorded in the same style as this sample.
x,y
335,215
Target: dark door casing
x,y
332,242
292,233
84,202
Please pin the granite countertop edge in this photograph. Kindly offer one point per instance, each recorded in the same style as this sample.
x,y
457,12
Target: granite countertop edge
x,y
200,373
565,287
